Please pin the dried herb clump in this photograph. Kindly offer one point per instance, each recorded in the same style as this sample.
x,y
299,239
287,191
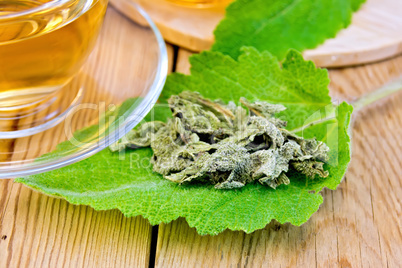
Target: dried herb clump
x,y
226,145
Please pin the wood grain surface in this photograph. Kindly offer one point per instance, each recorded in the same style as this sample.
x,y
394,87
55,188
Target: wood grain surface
x,y
375,32
358,225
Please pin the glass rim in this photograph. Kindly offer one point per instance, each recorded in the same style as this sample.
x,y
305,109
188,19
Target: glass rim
x,y
48,7
7,172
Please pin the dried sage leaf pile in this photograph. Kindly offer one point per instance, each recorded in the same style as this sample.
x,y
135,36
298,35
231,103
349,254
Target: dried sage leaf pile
x,y
226,145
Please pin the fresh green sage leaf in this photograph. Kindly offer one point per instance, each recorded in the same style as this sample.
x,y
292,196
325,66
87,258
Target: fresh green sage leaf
x,y
125,181
279,25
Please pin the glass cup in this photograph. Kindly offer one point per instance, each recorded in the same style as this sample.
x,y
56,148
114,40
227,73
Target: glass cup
x,y
43,45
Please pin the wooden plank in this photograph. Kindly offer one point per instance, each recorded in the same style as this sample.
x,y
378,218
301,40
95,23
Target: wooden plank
x,y
42,231
373,35
183,64
358,225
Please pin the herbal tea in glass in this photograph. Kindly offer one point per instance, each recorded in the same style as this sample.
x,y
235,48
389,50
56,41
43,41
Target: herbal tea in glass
x,y
43,44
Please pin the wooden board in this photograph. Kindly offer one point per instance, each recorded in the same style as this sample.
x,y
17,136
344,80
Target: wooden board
x,y
358,225
375,33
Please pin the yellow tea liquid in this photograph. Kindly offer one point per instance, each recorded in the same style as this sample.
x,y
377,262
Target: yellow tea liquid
x,y
209,3
41,52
